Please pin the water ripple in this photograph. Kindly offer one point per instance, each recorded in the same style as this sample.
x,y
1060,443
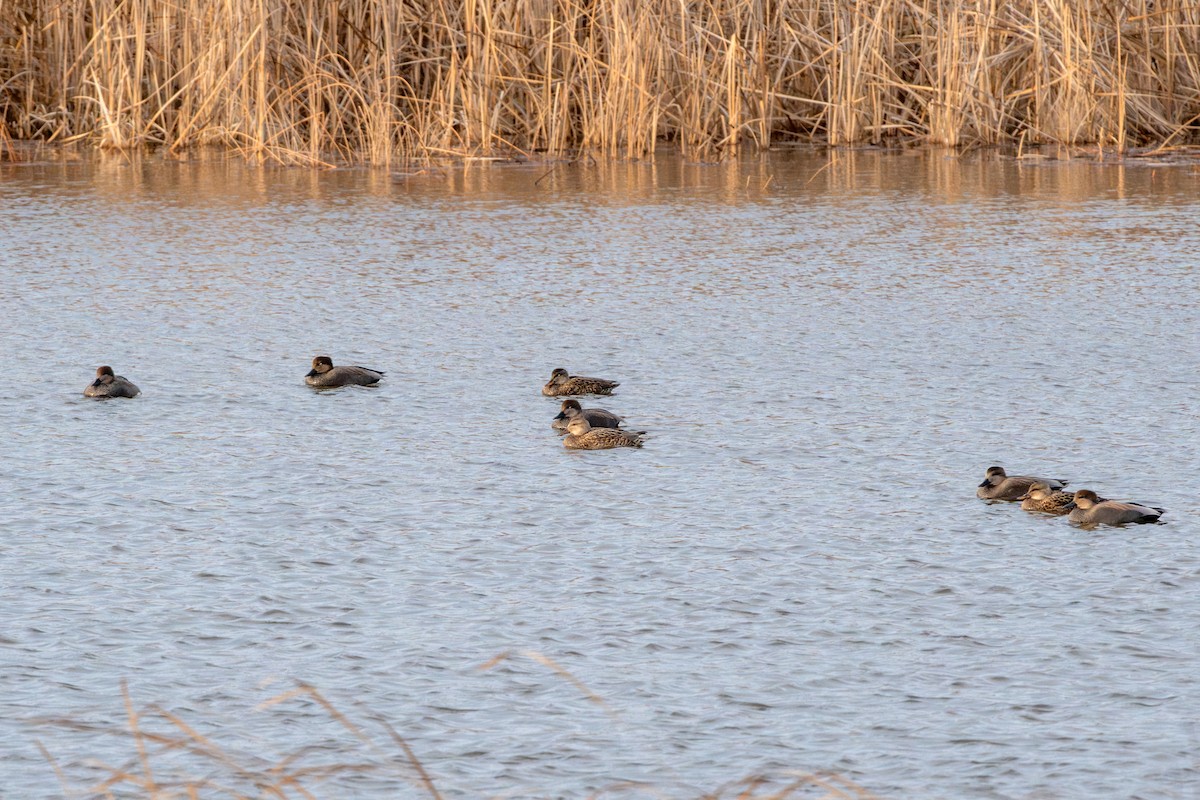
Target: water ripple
x,y
793,574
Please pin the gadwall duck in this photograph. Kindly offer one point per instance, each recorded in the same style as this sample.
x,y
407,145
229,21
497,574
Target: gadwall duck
x,y
1092,510
109,385
596,417
582,436
1043,499
561,384
1000,486
325,375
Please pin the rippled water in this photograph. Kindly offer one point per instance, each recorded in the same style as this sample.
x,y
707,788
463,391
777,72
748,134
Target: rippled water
x,y
793,574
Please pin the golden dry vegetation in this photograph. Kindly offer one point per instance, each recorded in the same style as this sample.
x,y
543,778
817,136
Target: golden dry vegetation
x,y
322,81
172,759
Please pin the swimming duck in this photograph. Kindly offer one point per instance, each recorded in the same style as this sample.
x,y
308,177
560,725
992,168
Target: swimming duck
x,y
563,384
582,436
998,485
1043,499
596,417
109,385
1092,510
325,375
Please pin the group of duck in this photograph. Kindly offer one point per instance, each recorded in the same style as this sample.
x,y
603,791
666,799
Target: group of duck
x,y
598,429
585,428
1048,496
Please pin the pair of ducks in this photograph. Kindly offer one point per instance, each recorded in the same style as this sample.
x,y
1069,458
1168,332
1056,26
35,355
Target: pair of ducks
x,y
323,375
587,428
1046,495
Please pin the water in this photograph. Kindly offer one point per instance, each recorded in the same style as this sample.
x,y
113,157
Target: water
x,y
794,573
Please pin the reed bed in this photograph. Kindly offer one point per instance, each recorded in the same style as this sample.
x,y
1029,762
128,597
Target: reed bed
x,y
167,752
326,81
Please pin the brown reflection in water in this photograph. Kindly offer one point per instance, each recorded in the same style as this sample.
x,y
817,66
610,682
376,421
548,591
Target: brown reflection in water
x,y
945,176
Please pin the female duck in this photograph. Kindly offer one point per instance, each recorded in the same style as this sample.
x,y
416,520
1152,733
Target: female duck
x,y
582,436
1000,486
596,417
324,375
109,385
1092,510
1043,499
561,384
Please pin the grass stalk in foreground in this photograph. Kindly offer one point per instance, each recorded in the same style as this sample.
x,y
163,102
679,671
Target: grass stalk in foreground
x,y
167,750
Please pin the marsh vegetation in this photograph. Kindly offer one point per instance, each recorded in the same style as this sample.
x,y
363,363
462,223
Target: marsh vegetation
x,y
312,82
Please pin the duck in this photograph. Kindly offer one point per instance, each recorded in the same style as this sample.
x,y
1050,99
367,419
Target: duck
x,y
109,385
582,436
1043,499
561,384
1090,509
324,375
998,485
596,417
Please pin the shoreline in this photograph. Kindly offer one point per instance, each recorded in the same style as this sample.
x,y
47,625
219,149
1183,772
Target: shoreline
x,y
35,151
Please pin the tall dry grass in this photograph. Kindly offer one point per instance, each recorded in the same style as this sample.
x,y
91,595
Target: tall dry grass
x,y
375,80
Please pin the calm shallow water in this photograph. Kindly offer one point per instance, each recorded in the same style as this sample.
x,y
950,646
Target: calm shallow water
x,y
794,574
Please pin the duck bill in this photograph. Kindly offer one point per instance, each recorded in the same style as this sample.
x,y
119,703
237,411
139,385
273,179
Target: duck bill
x,y
561,415
312,373
985,483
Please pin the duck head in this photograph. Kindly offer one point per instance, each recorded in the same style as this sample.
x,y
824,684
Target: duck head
x,y
1038,490
321,365
995,476
569,409
578,426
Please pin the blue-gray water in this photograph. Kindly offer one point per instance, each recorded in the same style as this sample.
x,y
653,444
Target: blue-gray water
x,y
794,573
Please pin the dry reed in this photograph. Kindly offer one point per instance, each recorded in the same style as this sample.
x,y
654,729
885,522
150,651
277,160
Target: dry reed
x,y
157,733
377,80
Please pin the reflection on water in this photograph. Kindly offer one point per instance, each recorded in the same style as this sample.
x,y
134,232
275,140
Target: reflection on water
x,y
794,573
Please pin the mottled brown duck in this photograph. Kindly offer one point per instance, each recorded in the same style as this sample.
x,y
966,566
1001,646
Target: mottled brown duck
x,y
582,436
1044,500
562,384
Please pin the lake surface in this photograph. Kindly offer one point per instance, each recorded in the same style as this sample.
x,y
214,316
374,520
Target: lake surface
x,y
794,574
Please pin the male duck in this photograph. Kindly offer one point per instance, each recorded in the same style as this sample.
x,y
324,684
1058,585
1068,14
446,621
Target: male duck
x,y
1000,486
596,417
109,385
324,375
1092,510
